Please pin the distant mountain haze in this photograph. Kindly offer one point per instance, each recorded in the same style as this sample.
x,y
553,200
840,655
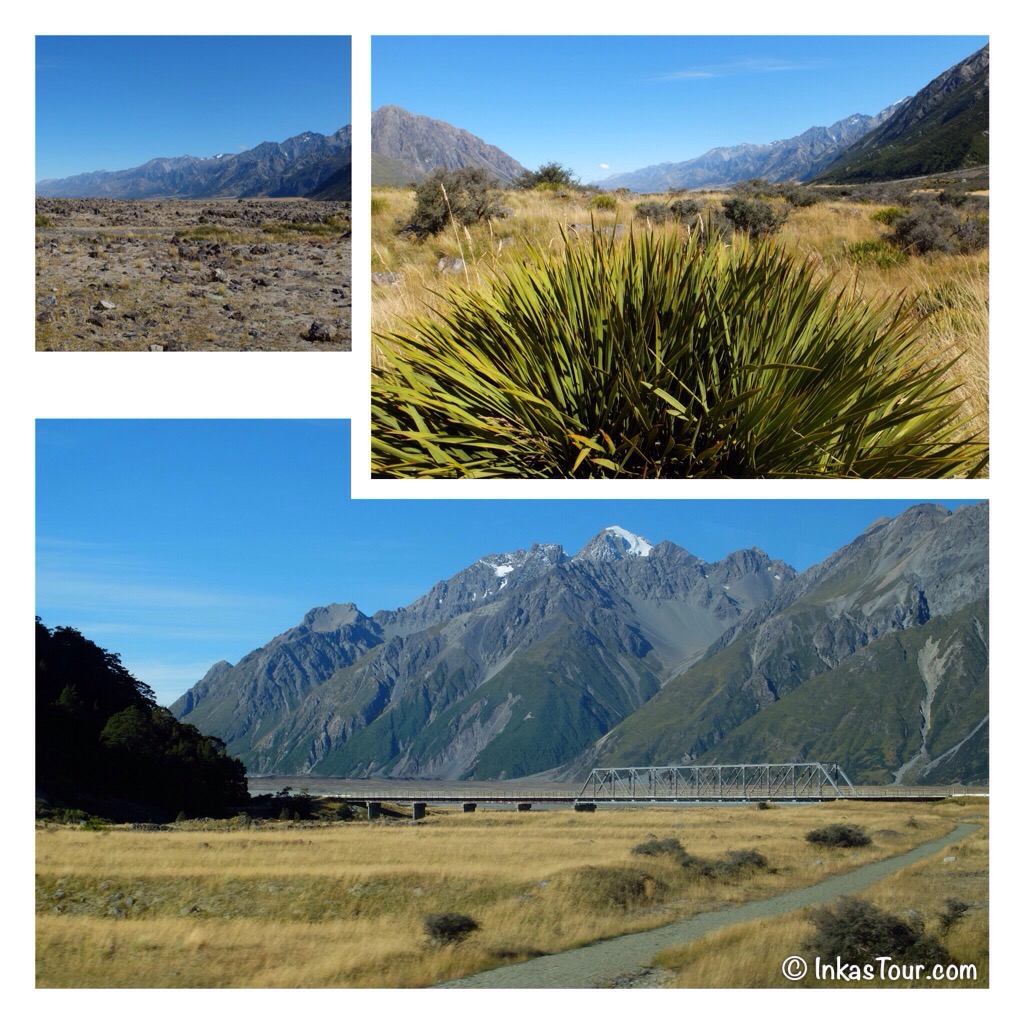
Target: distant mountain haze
x,y
532,662
795,159
306,165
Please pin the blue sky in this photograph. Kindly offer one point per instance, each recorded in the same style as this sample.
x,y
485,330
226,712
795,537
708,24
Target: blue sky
x,y
176,543
114,102
605,104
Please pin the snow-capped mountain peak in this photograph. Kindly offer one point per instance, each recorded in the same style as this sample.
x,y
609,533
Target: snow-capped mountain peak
x,y
614,543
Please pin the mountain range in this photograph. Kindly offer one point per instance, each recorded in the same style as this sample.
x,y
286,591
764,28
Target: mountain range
x,y
308,165
534,662
942,127
798,158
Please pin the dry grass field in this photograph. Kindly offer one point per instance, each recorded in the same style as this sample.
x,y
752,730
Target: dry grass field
x,y
749,955
238,904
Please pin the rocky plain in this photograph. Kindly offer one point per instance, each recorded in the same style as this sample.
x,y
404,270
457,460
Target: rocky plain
x,y
169,275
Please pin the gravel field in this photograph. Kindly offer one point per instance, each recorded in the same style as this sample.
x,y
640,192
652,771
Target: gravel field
x,y
195,275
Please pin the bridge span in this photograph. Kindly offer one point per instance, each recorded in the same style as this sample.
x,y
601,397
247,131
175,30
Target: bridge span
x,y
810,782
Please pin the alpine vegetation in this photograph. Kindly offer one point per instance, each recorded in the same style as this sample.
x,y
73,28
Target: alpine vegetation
x,y
667,355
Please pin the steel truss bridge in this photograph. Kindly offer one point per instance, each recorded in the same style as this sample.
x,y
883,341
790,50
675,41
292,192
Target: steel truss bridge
x,y
793,782
718,783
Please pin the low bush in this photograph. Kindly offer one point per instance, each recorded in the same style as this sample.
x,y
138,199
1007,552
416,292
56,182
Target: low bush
x,y
857,932
603,201
954,910
933,227
878,252
656,847
840,836
655,213
733,863
551,175
610,888
468,195
685,209
758,217
447,928
888,215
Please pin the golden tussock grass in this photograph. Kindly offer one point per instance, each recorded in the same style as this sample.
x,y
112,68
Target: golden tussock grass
x,y
343,905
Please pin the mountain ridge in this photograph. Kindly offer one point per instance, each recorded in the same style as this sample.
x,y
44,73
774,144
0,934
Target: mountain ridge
x,y
306,164
533,661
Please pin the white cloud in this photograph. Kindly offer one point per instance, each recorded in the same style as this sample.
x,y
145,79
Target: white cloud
x,y
604,167
750,66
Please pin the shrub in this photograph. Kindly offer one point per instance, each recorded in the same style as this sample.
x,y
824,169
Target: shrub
x,y
955,909
603,888
744,860
877,251
655,847
656,213
42,221
735,861
758,217
839,836
468,194
603,201
685,209
658,356
552,174
930,228
447,928
801,196
888,215
857,931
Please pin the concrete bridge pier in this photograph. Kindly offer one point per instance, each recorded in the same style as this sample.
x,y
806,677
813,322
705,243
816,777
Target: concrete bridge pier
x,y
524,807
372,810
468,808
419,810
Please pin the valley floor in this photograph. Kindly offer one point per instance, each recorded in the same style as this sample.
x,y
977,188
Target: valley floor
x,y
198,275
249,904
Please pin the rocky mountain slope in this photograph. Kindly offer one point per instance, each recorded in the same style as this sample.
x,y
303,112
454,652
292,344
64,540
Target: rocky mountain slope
x,y
535,662
877,658
304,165
512,666
943,127
798,158
407,147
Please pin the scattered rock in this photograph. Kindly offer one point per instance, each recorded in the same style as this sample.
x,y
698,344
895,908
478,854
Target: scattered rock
x,y
451,265
319,332
385,277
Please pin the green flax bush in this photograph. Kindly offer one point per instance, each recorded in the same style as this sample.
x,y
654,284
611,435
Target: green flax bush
x,y
664,356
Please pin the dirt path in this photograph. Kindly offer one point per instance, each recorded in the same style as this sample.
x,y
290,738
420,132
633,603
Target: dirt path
x,y
601,964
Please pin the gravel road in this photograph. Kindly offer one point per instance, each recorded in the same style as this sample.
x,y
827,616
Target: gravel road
x,y
624,959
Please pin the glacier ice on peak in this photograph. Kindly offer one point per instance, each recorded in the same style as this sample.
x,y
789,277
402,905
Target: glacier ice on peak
x,y
635,544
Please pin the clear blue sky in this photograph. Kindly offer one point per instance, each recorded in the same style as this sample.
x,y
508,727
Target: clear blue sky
x,y
114,102
603,105
176,543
